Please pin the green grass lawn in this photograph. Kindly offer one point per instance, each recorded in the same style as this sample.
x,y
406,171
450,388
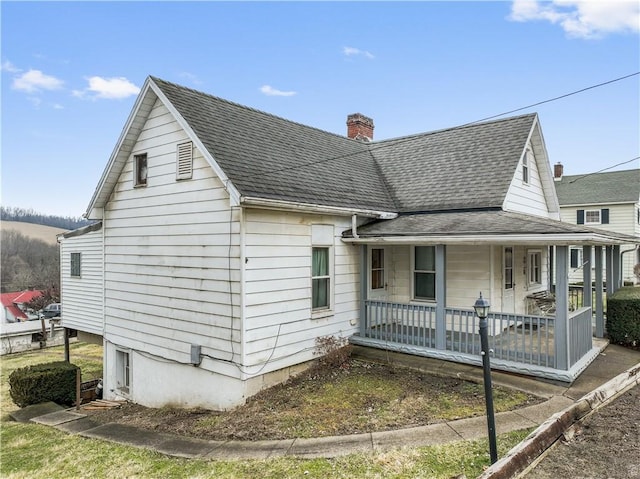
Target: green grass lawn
x,y
34,451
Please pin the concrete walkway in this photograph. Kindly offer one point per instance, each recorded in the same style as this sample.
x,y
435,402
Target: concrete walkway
x,y
611,362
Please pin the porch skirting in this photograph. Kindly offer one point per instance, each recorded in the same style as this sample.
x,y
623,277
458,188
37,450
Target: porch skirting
x,y
567,376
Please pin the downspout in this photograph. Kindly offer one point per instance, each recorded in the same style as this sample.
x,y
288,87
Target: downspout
x,y
354,226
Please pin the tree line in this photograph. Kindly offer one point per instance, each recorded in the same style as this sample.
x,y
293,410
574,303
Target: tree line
x,y
31,216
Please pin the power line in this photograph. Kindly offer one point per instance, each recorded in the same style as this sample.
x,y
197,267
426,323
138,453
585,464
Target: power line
x,y
554,99
408,138
605,169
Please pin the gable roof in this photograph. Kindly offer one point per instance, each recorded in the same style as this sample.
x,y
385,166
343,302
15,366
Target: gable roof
x,y
261,156
599,188
11,300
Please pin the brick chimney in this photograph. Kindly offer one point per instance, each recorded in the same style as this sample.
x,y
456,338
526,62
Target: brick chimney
x,y
558,170
359,127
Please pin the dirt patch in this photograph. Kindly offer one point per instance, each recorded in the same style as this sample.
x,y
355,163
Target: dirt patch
x,y
363,397
605,444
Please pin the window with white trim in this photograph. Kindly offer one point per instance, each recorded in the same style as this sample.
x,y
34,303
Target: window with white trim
x,y
424,273
591,217
320,279
508,267
76,263
123,371
525,167
575,260
534,267
140,170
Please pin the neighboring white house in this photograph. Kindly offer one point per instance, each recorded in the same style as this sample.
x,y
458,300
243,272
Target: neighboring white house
x,y
230,239
608,200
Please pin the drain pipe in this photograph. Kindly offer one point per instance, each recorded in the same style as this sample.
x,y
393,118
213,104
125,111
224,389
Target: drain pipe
x,y
354,226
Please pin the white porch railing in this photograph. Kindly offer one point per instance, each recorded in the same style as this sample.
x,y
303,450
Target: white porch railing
x,y
519,338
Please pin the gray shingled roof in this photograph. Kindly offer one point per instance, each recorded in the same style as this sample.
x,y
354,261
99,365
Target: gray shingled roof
x,y
599,188
269,157
474,224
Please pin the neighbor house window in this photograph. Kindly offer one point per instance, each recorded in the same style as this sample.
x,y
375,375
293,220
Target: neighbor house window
x,y
320,278
140,169
424,273
534,263
525,167
76,259
593,217
123,371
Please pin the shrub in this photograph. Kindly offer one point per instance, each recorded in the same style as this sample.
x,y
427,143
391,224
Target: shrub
x,y
334,352
623,317
38,383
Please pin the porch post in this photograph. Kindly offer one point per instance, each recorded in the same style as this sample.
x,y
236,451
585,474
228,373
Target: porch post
x,y
587,295
551,268
599,291
609,266
441,297
617,270
364,286
561,328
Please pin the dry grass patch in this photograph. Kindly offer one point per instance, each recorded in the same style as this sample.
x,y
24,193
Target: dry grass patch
x,y
361,397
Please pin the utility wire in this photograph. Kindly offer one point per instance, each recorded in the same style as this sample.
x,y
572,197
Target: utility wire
x,y
554,99
604,169
408,138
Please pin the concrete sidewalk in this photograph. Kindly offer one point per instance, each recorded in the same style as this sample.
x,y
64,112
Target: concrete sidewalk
x,y
611,362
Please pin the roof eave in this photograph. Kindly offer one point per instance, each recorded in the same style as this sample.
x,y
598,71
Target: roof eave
x,y
268,203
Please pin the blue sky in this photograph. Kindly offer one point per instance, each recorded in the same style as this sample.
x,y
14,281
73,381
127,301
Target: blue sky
x,y
71,72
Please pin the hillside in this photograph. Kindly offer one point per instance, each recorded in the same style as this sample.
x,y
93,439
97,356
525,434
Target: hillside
x,y
30,230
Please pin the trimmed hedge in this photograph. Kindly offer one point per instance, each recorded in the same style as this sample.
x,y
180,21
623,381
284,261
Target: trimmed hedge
x,y
623,316
54,381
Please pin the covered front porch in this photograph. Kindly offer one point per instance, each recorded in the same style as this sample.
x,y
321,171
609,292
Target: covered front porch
x,y
417,297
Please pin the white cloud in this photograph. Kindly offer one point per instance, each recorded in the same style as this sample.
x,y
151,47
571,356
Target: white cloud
x,y
7,66
191,78
351,51
582,18
108,88
270,91
35,81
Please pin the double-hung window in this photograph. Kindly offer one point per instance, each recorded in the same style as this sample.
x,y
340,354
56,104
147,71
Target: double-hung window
x,y
424,273
534,263
76,263
320,278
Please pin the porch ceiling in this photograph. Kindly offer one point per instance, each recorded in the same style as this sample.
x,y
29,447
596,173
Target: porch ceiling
x,y
482,227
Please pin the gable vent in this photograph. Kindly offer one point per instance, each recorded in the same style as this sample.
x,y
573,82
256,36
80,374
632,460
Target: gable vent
x,y
185,161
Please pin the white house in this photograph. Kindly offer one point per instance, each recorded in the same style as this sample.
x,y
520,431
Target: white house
x,y
608,200
230,239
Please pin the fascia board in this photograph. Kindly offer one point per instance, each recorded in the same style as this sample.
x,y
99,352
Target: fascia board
x,y
313,208
233,192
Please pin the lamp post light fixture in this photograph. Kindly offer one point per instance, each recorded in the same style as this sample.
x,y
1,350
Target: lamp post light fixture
x,y
481,308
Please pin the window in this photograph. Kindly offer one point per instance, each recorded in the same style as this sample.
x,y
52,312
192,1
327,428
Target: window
x,y
534,263
184,161
123,371
424,273
377,268
320,279
576,258
593,217
508,268
525,167
140,169
75,264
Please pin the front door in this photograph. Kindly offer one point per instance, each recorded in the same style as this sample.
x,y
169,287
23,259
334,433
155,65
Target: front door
x,y
378,273
508,285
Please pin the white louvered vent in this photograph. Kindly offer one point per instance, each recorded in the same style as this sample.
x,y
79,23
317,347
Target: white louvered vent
x,y
185,161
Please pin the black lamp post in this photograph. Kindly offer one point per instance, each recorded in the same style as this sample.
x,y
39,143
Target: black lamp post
x,y
482,310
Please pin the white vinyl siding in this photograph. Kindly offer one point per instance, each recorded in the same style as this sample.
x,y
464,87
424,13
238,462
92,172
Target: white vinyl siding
x,y
280,325
82,297
528,195
172,252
